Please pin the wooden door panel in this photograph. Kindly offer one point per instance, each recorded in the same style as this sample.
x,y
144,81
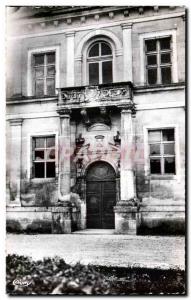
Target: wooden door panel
x,y
100,196
109,186
94,205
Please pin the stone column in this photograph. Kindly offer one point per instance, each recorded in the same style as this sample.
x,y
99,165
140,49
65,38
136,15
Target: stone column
x,y
15,163
126,209
70,59
62,219
127,52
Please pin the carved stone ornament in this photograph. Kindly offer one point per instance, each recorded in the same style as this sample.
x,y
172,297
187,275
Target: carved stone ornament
x,y
64,112
80,140
117,138
128,107
94,93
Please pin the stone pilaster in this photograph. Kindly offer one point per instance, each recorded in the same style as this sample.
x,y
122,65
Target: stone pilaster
x,y
127,52
62,217
64,155
126,208
70,59
15,165
127,154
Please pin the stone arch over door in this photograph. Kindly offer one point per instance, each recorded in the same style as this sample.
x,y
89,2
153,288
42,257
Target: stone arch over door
x,y
100,195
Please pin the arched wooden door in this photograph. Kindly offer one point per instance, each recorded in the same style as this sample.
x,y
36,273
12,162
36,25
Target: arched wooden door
x,y
100,195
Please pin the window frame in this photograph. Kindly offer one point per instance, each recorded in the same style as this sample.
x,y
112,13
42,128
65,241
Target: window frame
x,y
175,176
44,78
159,65
30,78
161,156
45,160
99,59
157,35
30,137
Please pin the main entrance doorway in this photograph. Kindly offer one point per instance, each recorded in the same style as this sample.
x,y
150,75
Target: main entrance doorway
x,y
100,196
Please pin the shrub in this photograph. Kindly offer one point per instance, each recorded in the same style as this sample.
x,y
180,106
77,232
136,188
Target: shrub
x,y
55,276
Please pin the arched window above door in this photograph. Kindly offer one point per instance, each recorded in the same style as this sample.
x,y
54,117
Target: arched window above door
x,y
100,63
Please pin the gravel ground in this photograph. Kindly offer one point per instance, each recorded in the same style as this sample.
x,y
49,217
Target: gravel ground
x,y
162,252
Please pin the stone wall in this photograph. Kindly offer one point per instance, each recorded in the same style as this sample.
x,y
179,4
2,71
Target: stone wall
x,y
17,51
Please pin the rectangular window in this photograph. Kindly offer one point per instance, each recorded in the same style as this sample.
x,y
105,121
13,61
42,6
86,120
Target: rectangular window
x,y
43,157
44,74
158,61
162,151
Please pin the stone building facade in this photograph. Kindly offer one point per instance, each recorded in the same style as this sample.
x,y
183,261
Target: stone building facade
x,y
96,119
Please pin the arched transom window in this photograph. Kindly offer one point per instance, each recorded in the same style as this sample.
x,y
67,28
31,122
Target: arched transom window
x,y
100,62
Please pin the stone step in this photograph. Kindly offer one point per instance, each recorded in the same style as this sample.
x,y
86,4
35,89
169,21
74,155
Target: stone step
x,y
95,231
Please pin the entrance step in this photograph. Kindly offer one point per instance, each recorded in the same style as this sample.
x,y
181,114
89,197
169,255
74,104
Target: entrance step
x,y
95,231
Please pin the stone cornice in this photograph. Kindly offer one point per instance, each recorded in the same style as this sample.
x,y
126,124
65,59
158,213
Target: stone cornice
x,y
95,12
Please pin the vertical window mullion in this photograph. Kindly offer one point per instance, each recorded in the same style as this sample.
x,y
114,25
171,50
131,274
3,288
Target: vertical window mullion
x,y
45,75
162,158
161,153
45,156
158,63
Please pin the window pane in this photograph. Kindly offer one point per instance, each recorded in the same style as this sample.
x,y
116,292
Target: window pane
x,y
50,84
155,149
168,134
50,153
155,166
39,155
150,45
169,165
94,51
166,75
50,142
152,76
165,58
51,58
50,71
39,170
107,71
169,148
39,59
154,136
165,43
50,169
151,60
93,73
39,142
105,49
39,87
39,72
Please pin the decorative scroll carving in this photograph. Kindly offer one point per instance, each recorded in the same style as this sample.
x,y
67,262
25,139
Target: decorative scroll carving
x,y
100,93
129,107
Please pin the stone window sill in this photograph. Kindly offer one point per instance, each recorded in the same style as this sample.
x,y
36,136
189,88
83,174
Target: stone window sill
x,y
43,180
161,177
